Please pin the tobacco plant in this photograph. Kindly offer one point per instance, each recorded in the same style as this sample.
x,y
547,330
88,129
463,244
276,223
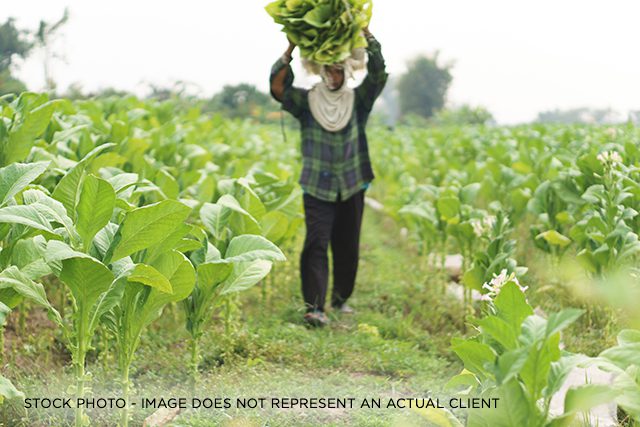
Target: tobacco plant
x,y
516,357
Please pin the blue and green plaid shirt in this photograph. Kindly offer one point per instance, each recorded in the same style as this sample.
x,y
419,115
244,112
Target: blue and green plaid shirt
x,y
336,165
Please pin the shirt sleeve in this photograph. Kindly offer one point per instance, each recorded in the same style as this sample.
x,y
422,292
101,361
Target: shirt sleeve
x,y
294,100
374,83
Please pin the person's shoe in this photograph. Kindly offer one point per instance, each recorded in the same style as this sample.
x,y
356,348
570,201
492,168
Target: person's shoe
x,y
317,319
344,309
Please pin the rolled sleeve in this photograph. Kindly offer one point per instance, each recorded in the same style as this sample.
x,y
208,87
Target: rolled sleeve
x,y
294,100
377,76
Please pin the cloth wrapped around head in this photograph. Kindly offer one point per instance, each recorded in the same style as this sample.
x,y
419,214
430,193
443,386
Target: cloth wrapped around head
x,y
331,102
355,62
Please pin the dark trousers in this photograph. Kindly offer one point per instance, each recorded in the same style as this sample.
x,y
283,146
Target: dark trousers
x,y
336,223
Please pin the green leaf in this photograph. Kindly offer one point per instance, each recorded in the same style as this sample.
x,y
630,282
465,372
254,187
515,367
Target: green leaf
x,y
23,136
252,247
4,312
320,16
51,209
107,300
167,184
173,241
149,276
243,222
94,210
510,364
146,226
534,329
554,238
464,379
87,278
68,189
512,409
27,215
536,370
8,391
559,372
27,288
586,397
16,177
215,218
249,199
559,321
210,275
512,305
28,256
180,273
230,202
448,207
474,278
474,355
59,251
104,239
629,336
245,275
629,399
289,204
469,193
274,226
623,356
500,330
438,416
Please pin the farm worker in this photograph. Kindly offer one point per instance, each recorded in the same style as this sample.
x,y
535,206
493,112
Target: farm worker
x,y
336,171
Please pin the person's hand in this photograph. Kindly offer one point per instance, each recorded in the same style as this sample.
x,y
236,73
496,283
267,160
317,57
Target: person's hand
x,y
366,31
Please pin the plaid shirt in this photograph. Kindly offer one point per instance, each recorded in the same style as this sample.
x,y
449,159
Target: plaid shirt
x,y
336,165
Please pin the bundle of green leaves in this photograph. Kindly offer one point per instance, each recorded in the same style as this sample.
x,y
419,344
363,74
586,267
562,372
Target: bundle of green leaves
x,y
326,31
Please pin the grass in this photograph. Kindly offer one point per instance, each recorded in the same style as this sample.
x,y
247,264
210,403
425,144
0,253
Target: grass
x,y
395,345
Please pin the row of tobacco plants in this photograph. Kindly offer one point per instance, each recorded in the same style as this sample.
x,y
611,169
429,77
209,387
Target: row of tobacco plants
x,y
573,194
111,210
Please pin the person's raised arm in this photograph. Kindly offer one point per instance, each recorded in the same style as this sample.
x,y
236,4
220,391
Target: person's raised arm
x,y
279,76
293,100
377,75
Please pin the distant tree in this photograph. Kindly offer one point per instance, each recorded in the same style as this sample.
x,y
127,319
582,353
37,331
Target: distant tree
x,y
242,100
422,90
463,115
109,91
386,107
9,84
179,89
45,38
13,45
580,115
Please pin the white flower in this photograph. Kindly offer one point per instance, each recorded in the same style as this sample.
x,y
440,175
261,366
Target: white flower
x,y
483,227
478,229
615,157
495,285
486,297
489,222
610,157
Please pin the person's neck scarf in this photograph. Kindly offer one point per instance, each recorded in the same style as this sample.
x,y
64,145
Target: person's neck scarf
x,y
332,109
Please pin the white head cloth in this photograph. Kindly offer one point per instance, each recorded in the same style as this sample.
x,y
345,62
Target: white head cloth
x,y
333,109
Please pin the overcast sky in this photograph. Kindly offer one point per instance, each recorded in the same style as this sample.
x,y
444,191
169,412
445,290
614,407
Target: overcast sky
x,y
514,57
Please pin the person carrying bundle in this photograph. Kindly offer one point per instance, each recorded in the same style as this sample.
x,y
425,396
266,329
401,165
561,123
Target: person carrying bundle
x,y
336,167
